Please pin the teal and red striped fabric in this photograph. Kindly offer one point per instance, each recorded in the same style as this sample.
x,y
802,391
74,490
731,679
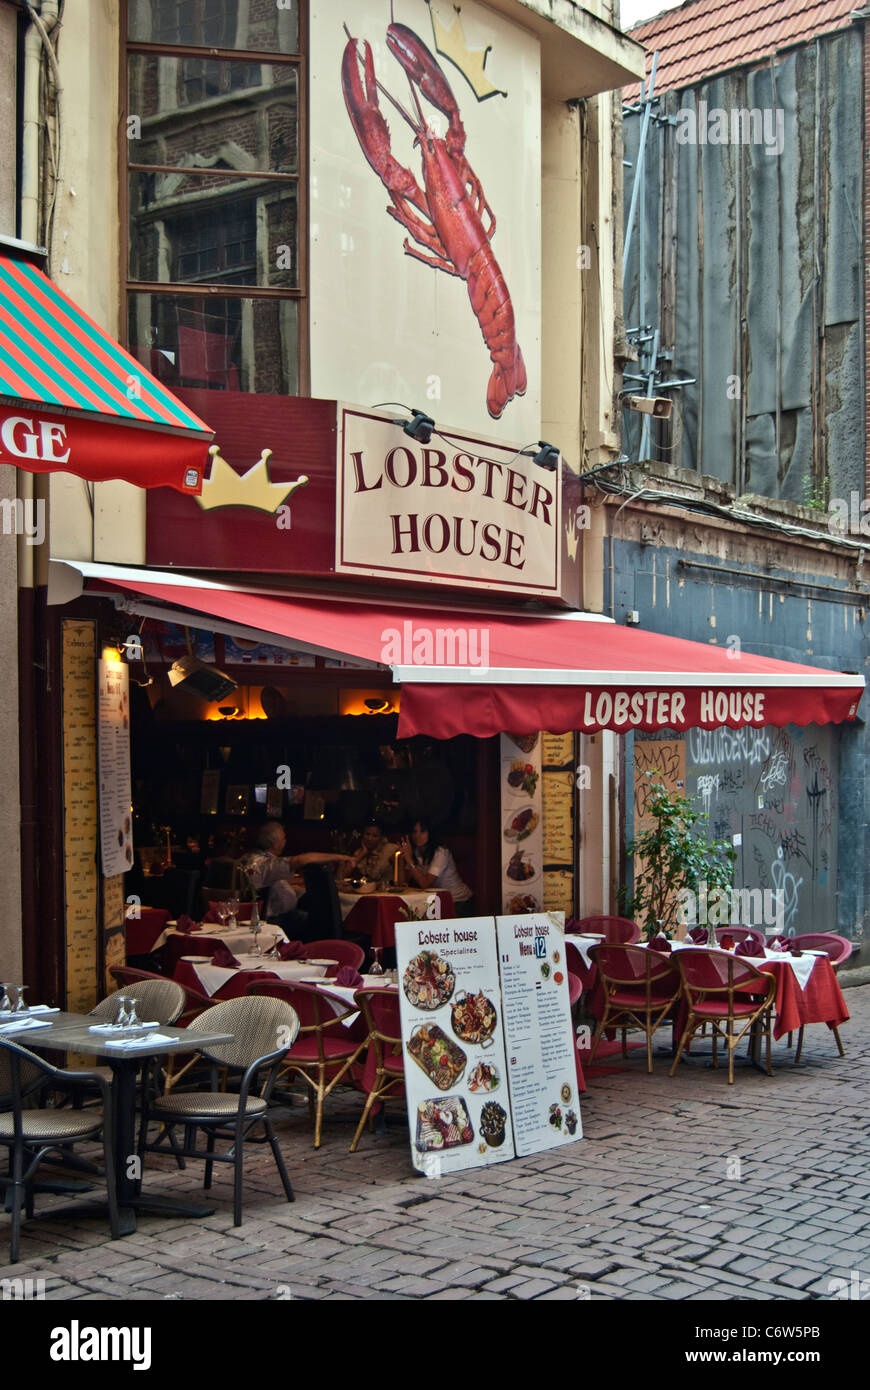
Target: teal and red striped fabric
x,y
72,400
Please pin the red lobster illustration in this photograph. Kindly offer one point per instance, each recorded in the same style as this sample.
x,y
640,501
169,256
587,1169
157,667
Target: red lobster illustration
x,y
448,218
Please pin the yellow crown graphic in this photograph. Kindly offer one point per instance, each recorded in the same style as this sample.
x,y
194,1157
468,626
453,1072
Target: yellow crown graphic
x,y
226,488
451,43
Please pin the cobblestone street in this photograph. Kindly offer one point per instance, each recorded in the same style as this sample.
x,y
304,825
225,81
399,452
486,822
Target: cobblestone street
x,y
680,1189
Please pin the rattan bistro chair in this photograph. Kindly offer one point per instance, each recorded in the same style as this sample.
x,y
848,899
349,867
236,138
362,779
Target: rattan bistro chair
x,y
728,993
31,1134
641,989
157,1001
263,1030
383,1071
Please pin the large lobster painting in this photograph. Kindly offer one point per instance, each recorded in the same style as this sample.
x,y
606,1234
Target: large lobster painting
x,y
449,217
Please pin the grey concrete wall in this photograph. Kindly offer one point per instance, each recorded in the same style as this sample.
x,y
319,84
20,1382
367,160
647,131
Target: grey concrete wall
x,y
10,877
8,124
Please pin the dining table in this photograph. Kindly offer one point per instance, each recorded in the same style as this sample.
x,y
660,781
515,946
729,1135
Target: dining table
x,y
376,914
124,1050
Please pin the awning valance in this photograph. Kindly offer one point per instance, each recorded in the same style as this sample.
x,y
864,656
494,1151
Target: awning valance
x,y
73,401
483,671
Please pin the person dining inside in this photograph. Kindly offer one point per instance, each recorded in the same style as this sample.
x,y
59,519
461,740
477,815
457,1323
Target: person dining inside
x,y
431,865
268,868
376,855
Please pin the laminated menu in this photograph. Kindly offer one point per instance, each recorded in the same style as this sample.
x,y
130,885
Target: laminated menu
x,y
539,1038
453,1044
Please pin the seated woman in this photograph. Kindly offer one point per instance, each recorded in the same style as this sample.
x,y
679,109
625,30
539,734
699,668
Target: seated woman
x,y
374,858
431,865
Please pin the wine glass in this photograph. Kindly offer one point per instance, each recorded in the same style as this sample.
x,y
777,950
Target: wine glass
x,y
233,910
6,999
132,1016
376,968
223,913
122,1017
21,1003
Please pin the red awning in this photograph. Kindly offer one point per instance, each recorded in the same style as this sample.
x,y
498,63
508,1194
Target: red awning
x,y
481,672
73,401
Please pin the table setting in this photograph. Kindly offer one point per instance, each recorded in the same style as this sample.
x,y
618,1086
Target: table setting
x,y
374,912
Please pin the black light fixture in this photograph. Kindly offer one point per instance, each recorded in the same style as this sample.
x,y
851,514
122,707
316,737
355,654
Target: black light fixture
x,y
197,678
419,427
546,457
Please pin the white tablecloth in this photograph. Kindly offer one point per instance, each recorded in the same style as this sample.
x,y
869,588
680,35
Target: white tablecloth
x,y
345,993
801,965
584,945
236,938
416,899
212,977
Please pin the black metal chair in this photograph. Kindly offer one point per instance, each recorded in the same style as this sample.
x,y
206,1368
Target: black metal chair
x,y
321,903
31,1134
258,1024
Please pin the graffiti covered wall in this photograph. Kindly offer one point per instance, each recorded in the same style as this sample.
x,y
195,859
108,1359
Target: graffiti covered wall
x,y
773,789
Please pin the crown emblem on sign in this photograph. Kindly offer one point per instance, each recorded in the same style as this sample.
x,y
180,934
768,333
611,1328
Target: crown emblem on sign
x,y
227,488
451,43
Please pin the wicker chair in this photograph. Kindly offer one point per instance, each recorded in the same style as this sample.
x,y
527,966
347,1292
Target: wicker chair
x,y
157,1001
257,1024
728,993
325,1049
641,989
31,1134
177,1064
383,1072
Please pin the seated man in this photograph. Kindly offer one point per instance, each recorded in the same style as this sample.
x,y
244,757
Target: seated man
x,y
267,869
375,856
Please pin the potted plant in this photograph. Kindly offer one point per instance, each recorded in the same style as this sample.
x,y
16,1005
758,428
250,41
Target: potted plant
x,y
673,854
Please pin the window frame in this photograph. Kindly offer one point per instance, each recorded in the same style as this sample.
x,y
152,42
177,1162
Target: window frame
x,y
126,167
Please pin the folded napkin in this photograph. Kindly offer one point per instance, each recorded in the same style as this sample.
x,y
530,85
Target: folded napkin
x,y
292,950
349,978
784,942
148,1040
186,924
224,957
748,948
698,935
19,1024
660,943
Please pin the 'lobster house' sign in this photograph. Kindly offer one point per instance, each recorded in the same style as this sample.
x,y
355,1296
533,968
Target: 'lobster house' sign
x,y
468,512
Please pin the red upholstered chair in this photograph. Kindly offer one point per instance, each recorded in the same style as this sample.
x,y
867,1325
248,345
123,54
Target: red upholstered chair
x,y
324,1050
618,931
727,992
640,988
344,952
838,949
741,934
383,1073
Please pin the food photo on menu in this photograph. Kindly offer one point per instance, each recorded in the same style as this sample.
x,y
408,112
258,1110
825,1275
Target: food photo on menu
x,y
452,1032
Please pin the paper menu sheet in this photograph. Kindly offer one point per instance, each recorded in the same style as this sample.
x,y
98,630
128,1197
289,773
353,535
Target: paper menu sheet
x,y
539,1036
452,1126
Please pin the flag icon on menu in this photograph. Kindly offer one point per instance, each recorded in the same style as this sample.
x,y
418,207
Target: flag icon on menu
x,y
537,984
505,958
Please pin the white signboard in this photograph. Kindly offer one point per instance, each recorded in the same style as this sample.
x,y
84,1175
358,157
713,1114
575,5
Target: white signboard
x,y
522,833
425,221
539,1038
453,1044
465,511
116,828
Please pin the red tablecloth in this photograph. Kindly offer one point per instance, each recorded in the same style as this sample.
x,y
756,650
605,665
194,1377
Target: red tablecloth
x,y
144,930
376,915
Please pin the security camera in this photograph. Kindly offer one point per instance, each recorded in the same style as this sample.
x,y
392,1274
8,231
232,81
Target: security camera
x,y
660,406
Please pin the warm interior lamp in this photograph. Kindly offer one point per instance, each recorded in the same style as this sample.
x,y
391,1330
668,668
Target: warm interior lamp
x,y
193,676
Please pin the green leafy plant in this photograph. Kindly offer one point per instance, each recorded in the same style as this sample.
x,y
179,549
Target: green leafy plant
x,y
815,492
674,853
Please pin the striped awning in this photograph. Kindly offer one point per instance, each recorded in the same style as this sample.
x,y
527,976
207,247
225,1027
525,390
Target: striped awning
x,y
73,401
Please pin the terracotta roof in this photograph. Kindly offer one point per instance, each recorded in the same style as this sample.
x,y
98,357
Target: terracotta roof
x,y
706,36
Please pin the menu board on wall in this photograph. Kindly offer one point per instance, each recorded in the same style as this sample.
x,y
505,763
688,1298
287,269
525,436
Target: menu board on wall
x,y
521,829
114,929
539,1038
116,828
558,790
80,812
453,1045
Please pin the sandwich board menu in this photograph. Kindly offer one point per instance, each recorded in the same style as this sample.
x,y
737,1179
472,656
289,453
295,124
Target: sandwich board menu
x,y
453,1044
487,1039
542,1070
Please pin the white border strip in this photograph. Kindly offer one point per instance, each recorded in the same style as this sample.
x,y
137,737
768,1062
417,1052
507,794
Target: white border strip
x,y
497,675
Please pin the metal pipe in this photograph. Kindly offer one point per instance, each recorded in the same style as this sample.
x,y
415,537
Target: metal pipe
x,y
635,191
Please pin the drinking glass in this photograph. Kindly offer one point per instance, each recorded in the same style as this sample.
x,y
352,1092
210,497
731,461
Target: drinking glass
x,y
223,913
233,910
122,1017
376,968
6,998
21,1002
132,1017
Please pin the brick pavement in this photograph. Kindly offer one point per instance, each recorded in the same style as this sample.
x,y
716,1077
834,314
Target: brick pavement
x,y
680,1189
